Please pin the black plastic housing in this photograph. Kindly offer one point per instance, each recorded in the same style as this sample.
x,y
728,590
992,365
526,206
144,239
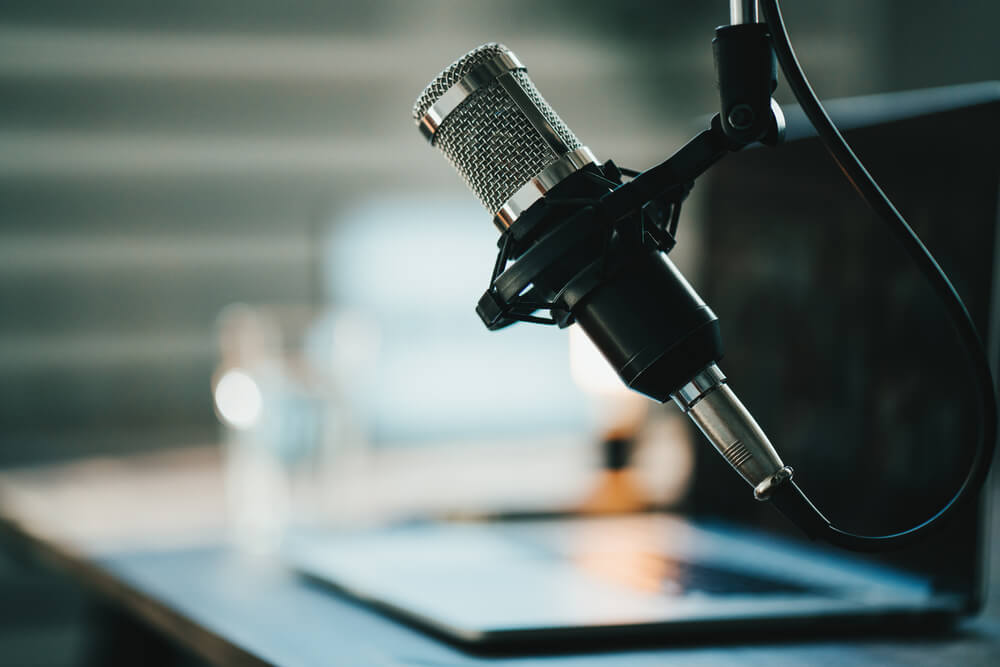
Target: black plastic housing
x,y
747,73
651,325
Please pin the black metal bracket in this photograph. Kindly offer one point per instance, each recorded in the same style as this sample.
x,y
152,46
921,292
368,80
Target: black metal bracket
x,y
747,74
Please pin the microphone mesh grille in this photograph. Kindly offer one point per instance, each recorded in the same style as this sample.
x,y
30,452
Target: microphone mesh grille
x,y
453,74
488,138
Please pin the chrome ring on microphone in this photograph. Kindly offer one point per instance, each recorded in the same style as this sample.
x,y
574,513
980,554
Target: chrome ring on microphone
x,y
498,69
483,75
537,187
697,387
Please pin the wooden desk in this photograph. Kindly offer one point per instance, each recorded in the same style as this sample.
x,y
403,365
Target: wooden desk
x,y
147,534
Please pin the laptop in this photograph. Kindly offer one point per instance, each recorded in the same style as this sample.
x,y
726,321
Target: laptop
x,y
846,360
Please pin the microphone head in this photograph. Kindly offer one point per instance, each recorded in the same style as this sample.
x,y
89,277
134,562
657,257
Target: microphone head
x,y
487,117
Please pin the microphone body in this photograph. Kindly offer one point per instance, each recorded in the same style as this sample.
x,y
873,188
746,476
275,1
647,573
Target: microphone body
x,y
651,325
547,194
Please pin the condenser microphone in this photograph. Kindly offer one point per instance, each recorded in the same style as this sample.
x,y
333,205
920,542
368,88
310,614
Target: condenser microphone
x,y
577,242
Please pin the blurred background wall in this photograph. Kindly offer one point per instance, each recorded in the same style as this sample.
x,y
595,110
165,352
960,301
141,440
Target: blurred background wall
x,y
160,160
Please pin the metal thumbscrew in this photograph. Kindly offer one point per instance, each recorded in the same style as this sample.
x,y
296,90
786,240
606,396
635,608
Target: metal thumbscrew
x,y
741,117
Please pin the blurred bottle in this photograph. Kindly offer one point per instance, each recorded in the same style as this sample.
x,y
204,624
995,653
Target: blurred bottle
x,y
286,431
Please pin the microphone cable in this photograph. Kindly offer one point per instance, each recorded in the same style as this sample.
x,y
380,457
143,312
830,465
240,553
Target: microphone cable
x,y
787,497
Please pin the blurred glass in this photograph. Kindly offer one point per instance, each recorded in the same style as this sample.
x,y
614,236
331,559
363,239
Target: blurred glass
x,y
284,426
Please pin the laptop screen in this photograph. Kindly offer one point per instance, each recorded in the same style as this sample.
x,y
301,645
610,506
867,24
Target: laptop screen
x,y
834,340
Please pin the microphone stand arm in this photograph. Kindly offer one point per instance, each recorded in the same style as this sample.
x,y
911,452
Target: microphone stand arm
x,y
747,76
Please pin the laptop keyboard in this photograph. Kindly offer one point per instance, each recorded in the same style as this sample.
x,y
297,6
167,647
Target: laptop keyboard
x,y
693,578
626,553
